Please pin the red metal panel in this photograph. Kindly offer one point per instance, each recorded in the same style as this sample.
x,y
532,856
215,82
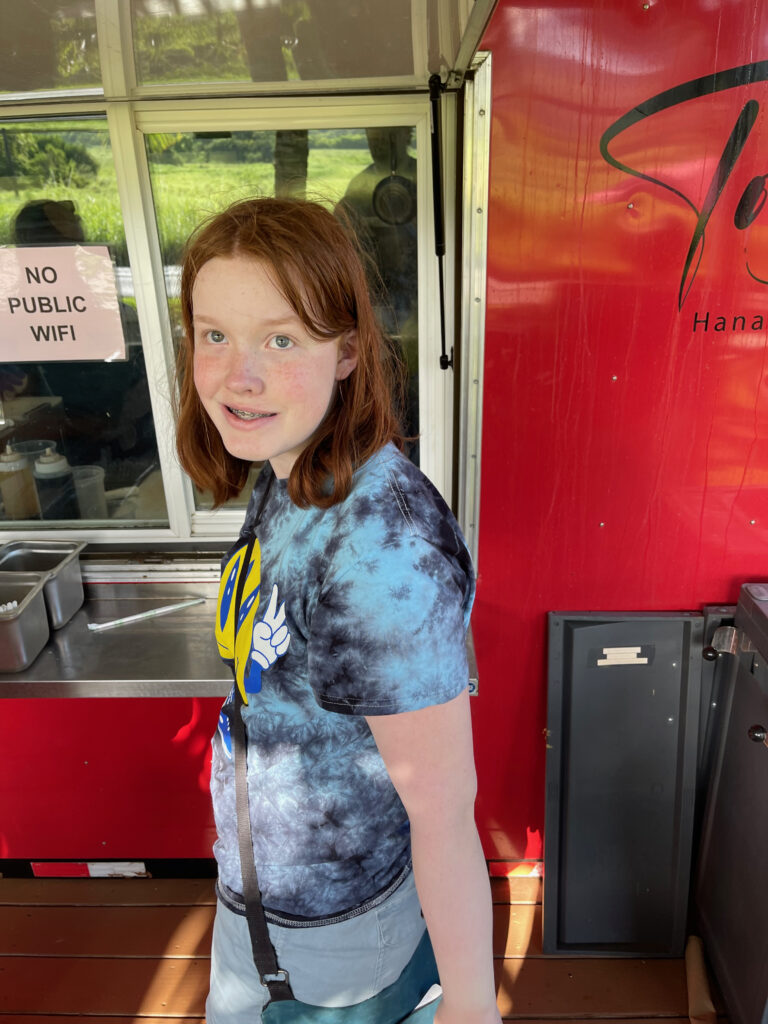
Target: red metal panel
x,y
118,779
625,422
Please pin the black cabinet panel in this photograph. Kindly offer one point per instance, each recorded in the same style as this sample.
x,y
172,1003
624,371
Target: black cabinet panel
x,y
623,725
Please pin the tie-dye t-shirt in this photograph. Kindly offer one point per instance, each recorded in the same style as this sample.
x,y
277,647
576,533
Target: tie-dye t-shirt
x,y
359,609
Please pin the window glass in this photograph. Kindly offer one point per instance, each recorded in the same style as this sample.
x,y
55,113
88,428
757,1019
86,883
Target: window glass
x,y
368,174
48,45
282,40
80,426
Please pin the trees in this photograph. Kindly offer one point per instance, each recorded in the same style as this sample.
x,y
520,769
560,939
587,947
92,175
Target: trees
x,y
44,161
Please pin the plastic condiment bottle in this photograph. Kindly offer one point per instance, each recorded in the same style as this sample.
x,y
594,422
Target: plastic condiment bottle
x,y
17,486
55,486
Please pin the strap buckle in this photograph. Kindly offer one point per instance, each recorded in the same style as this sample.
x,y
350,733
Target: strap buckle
x,y
278,976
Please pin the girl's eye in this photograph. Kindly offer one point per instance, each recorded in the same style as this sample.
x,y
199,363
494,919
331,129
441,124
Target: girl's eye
x,y
281,341
215,337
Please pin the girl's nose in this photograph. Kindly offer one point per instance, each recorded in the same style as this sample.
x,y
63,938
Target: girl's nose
x,y
244,373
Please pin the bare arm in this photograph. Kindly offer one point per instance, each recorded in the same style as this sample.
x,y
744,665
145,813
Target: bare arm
x,y
429,757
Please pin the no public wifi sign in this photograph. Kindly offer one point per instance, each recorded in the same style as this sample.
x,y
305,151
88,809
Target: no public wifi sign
x,y
58,302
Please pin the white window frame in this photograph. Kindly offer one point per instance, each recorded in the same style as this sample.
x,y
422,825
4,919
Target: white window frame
x,y
474,249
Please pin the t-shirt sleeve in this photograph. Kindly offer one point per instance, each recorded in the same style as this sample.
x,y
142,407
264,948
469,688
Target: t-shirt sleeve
x,y
388,634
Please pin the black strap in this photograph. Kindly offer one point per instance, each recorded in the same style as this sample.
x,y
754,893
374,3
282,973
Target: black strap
x,y
275,980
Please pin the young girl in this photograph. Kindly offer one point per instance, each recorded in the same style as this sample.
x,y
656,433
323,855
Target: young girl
x,y
349,648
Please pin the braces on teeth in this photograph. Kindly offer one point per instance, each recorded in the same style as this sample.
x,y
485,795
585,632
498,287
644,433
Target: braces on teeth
x,y
248,415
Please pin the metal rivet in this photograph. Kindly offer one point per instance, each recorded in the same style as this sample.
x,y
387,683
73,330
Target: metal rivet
x,y
481,112
614,377
630,206
646,7
477,298
479,209
602,525
752,522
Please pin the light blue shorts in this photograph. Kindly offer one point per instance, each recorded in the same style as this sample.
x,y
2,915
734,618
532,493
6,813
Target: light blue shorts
x,y
328,965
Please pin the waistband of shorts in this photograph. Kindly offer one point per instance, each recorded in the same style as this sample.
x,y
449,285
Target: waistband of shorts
x,y
235,902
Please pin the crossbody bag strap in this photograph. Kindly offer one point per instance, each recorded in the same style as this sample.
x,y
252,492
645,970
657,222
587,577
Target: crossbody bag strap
x,y
275,979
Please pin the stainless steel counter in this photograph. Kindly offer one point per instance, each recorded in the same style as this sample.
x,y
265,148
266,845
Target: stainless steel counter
x,y
170,656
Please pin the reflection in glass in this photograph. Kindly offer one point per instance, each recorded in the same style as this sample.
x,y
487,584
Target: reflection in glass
x,y
368,177
271,40
48,44
84,428
381,202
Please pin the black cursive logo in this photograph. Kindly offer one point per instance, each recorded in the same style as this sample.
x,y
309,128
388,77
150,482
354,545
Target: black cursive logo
x,y
752,199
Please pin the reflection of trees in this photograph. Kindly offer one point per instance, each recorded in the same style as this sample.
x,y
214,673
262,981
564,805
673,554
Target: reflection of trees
x,y
273,40
320,39
44,160
291,157
48,44
175,47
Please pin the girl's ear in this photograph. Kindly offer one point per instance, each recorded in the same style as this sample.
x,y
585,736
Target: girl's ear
x,y
347,355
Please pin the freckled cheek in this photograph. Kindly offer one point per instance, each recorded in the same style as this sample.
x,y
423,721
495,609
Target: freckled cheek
x,y
206,375
310,386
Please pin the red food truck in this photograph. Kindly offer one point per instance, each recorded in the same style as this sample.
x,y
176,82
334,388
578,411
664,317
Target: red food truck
x,y
566,206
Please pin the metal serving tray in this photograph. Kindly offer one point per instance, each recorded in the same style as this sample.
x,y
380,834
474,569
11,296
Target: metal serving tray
x,y
58,561
24,630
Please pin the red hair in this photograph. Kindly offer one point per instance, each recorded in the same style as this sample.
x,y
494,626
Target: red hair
x,y
318,267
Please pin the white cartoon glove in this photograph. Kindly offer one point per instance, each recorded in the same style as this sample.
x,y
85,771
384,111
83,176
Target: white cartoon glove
x,y
270,635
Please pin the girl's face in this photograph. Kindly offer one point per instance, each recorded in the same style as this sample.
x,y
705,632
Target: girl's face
x,y
262,378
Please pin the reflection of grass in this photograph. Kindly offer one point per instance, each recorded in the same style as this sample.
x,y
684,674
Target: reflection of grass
x,y
184,195
188,193
330,171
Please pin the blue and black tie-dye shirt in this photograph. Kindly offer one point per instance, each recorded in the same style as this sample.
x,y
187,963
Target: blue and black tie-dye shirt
x,y
360,609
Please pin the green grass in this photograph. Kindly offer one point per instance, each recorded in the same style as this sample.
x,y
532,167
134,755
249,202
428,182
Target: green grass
x,y
184,194
188,193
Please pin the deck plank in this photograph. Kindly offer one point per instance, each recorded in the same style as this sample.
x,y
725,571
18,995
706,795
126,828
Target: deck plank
x,y
115,987
106,931
563,987
77,892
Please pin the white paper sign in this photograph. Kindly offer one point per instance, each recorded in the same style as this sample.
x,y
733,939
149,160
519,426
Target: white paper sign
x,y
58,302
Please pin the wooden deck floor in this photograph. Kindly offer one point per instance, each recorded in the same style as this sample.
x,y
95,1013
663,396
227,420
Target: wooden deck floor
x,y
137,950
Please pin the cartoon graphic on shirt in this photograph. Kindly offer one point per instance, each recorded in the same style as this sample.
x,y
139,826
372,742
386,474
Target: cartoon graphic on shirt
x,y
252,645
225,616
